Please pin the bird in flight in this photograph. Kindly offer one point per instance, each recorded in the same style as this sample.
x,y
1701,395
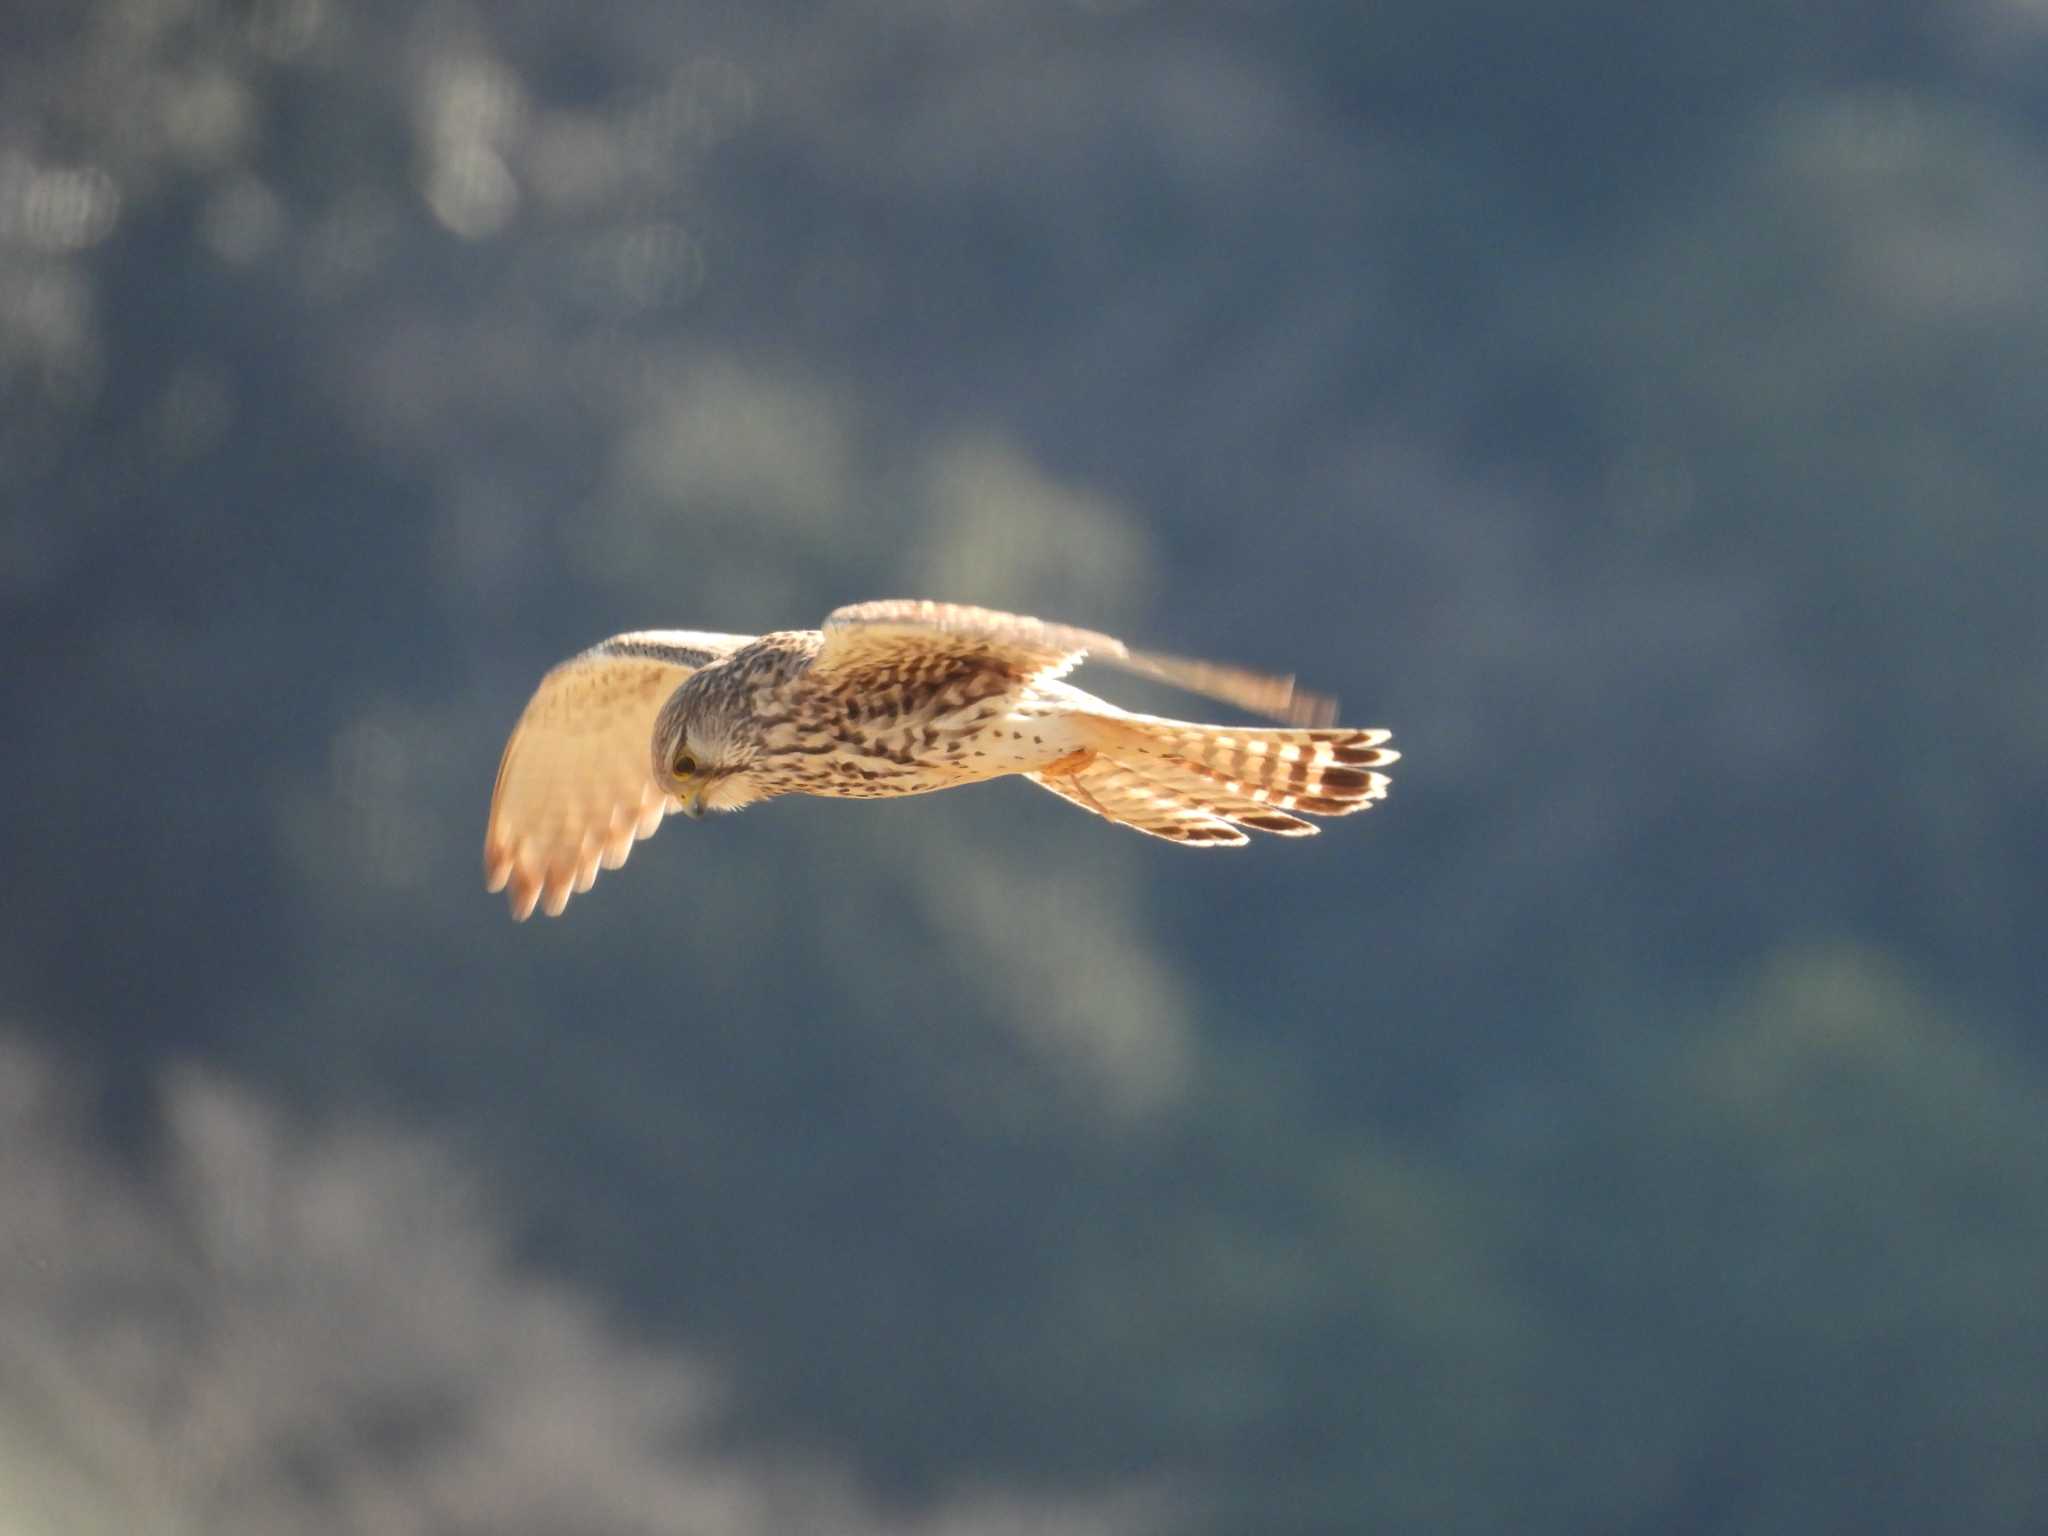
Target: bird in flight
x,y
894,698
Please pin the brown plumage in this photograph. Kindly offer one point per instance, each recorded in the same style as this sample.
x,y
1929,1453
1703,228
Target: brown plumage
x,y
894,698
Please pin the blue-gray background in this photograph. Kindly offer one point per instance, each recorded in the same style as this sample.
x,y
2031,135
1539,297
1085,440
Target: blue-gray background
x,y
1636,1125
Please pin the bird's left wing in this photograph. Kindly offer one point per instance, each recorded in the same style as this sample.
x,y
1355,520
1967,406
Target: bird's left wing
x,y
576,784
903,632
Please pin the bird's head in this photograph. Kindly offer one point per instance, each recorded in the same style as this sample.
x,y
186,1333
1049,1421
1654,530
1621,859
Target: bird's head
x,y
701,756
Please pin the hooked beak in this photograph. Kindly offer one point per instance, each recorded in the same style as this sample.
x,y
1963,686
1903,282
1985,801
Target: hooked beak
x,y
693,803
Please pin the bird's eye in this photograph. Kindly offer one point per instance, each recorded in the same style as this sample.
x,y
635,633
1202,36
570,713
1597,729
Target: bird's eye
x,y
685,765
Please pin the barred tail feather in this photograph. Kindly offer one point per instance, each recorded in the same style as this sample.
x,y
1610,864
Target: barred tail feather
x,y
1321,772
1199,784
1118,795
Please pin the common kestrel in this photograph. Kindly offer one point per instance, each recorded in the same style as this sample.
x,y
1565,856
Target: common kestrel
x,y
893,698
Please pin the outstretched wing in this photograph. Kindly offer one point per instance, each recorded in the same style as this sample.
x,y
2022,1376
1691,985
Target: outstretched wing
x,y
907,634
576,785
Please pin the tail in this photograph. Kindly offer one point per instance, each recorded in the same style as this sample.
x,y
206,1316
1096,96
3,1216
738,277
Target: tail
x,y
1200,784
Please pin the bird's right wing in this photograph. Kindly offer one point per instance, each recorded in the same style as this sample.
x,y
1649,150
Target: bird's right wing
x,y
907,633
576,784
